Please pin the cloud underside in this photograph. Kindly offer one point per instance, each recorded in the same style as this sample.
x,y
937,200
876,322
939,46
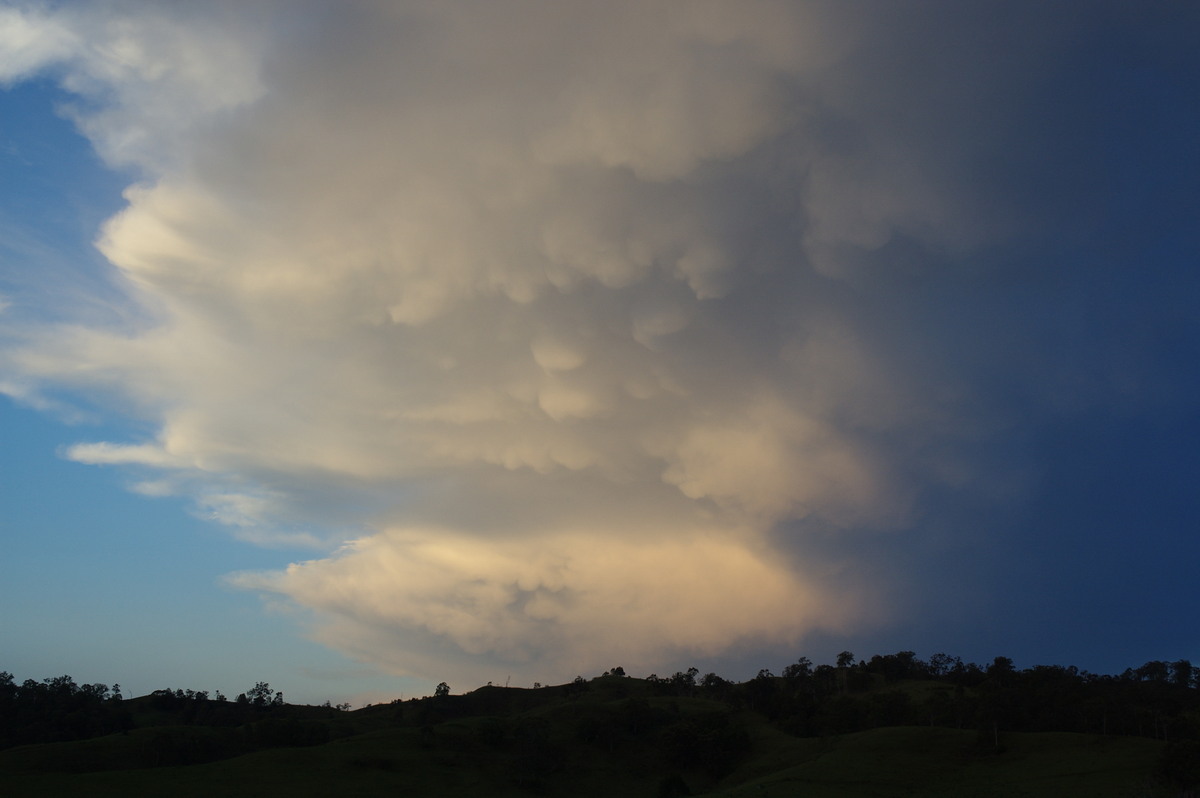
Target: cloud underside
x,y
435,601
544,318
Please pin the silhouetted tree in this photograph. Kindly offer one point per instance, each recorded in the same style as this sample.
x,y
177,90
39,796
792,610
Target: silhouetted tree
x,y
1181,673
799,671
261,696
576,688
716,687
762,693
844,661
940,664
895,667
1001,670
684,682
1154,671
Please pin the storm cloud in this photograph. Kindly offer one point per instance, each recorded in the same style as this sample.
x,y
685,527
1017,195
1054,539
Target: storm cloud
x,y
562,329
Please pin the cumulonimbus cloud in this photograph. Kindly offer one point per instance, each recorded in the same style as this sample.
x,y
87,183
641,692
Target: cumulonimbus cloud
x,y
566,289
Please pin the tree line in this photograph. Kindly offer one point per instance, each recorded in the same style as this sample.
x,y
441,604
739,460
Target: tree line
x,y
1158,699
58,709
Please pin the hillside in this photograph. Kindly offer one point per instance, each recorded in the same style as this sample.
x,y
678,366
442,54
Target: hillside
x,y
858,735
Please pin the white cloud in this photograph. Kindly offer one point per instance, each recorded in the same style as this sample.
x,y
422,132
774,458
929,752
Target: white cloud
x,y
549,606
117,454
31,40
505,271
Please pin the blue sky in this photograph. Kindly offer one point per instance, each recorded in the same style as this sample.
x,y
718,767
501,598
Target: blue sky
x,y
101,583
392,345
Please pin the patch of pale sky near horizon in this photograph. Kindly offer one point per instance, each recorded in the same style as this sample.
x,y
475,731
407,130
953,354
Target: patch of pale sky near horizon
x,y
496,263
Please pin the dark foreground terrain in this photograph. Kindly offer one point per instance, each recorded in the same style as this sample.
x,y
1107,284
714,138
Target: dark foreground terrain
x,y
894,726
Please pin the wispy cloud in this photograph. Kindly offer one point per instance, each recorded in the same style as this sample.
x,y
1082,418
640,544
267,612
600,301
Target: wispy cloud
x,y
31,39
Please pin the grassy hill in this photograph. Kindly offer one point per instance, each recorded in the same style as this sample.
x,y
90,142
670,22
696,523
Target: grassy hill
x,y
610,736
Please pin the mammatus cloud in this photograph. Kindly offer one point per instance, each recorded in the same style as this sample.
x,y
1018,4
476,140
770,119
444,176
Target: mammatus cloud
x,y
580,301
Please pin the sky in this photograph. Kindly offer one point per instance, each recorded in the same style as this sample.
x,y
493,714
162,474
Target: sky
x,y
359,346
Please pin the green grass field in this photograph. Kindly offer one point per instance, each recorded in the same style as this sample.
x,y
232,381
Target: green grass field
x,y
916,761
560,748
